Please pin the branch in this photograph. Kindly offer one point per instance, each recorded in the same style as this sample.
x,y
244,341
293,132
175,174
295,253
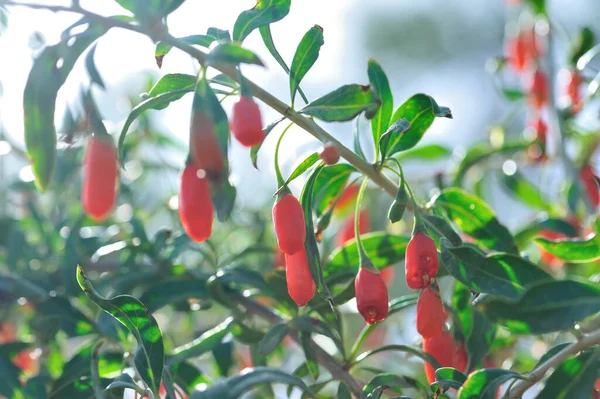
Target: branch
x,y
334,366
537,374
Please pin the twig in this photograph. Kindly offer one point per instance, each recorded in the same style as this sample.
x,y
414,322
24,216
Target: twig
x,y
537,374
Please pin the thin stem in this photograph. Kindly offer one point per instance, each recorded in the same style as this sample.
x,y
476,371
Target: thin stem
x,y
363,258
280,179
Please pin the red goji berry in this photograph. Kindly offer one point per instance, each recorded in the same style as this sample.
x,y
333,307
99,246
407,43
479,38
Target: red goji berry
x,y
205,147
431,314
538,89
590,182
421,261
571,81
301,286
461,358
347,233
518,54
330,154
371,296
246,122
443,349
195,205
99,188
290,228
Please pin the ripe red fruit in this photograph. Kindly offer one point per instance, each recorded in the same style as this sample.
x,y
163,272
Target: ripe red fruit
x,y
99,188
421,261
330,154
246,122
461,359
431,314
443,349
301,286
195,204
347,233
205,147
371,296
538,89
518,54
590,182
288,218
571,82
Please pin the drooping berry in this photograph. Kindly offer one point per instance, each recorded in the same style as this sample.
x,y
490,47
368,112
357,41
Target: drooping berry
x,y
99,188
288,218
443,349
246,122
371,296
590,182
537,88
518,54
431,314
571,81
205,147
330,154
195,205
347,233
301,286
421,261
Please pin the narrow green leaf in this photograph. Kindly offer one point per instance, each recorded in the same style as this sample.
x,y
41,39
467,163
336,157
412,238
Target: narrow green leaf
x,y
482,384
343,104
448,377
546,307
429,152
254,150
311,358
553,351
201,345
10,386
525,191
575,378
71,320
220,35
162,48
442,228
574,250
379,383
356,142
397,129
539,6
475,218
343,392
149,357
301,168
232,53
92,71
400,348
329,184
223,355
381,86
49,72
170,291
499,274
263,13
98,388
273,338
479,338
420,110
523,236
171,82
305,57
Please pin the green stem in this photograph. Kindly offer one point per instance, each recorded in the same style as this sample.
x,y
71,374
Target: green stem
x,y
418,225
362,255
280,179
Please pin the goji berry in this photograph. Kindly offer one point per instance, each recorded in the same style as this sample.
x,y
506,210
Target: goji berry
x,y
431,314
371,296
518,54
100,178
347,233
443,349
571,83
538,89
330,154
461,359
205,147
246,122
195,205
300,284
421,261
290,228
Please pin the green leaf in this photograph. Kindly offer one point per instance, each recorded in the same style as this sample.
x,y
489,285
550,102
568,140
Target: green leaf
x,y
384,381
265,32
232,53
223,198
525,191
575,378
70,319
168,292
234,386
523,236
343,104
201,345
574,250
150,9
383,249
305,57
149,357
479,338
420,111
448,377
10,386
49,72
263,13
220,35
312,250
311,358
428,152
475,218
82,388
482,384
539,6
273,338
223,354
499,274
92,71
400,348
36,387
162,48
441,227
172,82
381,86
397,129
329,184
254,150
187,376
546,307
301,168
343,392
157,102
553,351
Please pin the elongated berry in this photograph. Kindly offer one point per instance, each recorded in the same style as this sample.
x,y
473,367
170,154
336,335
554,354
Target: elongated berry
x,y
99,188
195,205
443,349
538,89
290,228
590,182
518,53
371,296
421,261
347,233
431,314
301,286
246,122
330,154
571,81
204,145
